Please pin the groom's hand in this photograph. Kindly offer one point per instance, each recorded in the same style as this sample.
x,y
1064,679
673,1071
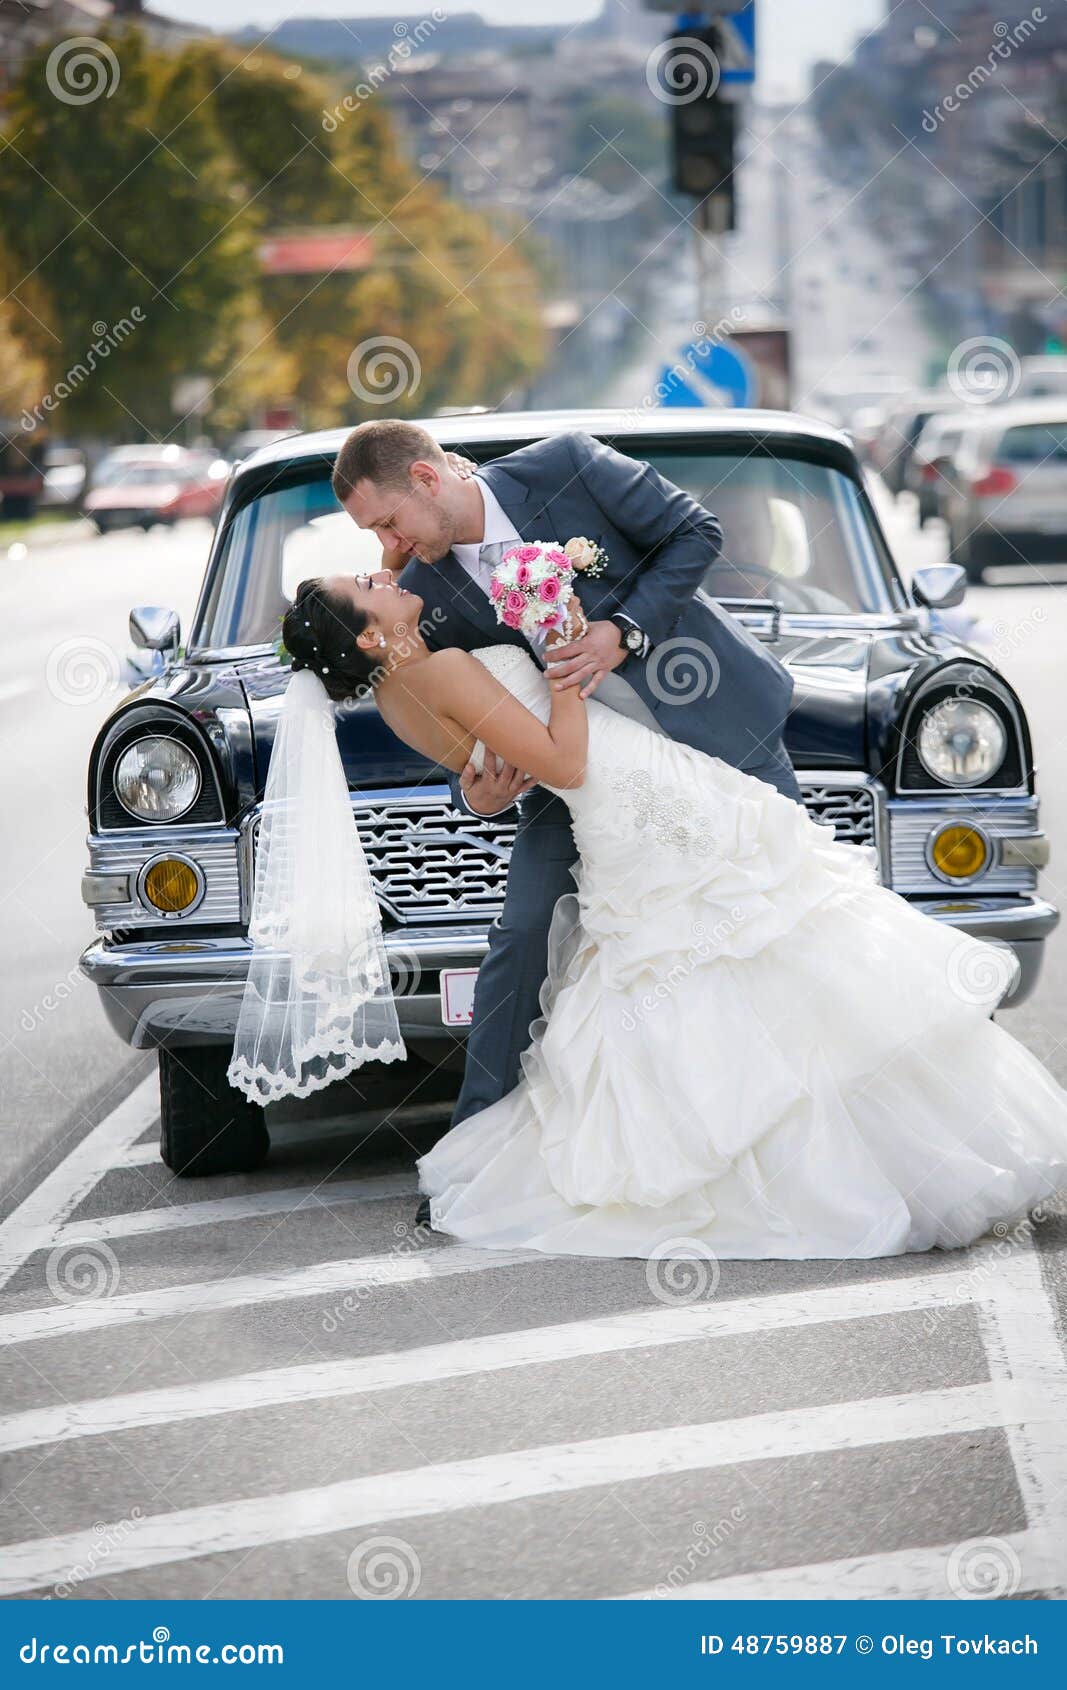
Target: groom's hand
x,y
585,662
496,788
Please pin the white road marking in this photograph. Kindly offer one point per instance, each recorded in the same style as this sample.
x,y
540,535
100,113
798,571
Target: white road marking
x,y
32,1225
919,1573
488,1481
213,1296
1024,1349
215,1211
138,1155
612,1334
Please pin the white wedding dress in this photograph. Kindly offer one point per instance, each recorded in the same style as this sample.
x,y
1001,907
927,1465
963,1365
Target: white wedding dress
x,y
748,1047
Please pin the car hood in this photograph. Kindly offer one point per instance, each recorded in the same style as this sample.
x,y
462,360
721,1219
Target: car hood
x,y
846,702
827,724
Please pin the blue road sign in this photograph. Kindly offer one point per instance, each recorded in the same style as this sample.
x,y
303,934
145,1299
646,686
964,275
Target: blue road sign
x,y
708,375
738,33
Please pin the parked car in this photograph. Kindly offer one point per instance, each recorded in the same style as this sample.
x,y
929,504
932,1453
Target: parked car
x,y
932,456
140,486
66,469
903,737
1006,501
903,426
1042,378
21,472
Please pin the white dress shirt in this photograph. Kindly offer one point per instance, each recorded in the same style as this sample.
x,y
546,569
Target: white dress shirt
x,y
497,527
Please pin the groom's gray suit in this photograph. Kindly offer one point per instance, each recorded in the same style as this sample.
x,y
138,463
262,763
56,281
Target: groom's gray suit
x,y
706,681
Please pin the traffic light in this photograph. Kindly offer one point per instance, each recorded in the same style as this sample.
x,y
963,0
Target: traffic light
x,y
703,124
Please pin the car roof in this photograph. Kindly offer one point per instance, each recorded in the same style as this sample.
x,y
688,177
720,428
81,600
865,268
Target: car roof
x,y
1053,409
517,427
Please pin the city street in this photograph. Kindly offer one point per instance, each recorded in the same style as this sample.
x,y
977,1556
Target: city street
x,y
275,1385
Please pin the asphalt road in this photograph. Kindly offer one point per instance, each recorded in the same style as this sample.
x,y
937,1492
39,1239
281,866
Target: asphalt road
x,y
273,1386
64,608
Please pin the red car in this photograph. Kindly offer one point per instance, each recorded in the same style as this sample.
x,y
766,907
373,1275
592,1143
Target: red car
x,y
136,486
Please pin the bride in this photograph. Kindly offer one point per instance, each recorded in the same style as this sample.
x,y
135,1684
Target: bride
x,y
747,1047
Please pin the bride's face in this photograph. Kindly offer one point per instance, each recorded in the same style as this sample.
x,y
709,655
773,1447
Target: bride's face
x,y
390,609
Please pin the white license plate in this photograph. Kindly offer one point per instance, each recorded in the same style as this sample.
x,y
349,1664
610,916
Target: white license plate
x,y
457,996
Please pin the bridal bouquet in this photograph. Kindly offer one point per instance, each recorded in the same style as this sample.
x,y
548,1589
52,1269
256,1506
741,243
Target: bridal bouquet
x,y
532,585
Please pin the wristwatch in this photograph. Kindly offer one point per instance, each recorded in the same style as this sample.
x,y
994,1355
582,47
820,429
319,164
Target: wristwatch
x,y
631,637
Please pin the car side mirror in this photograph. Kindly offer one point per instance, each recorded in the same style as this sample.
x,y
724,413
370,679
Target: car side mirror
x,y
155,629
939,586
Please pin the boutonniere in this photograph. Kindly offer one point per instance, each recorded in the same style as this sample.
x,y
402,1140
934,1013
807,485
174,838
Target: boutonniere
x,y
586,555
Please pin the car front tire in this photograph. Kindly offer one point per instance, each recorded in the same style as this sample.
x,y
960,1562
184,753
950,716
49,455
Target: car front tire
x,y
206,1125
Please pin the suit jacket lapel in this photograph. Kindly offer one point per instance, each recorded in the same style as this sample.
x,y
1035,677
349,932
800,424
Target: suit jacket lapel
x,y
528,517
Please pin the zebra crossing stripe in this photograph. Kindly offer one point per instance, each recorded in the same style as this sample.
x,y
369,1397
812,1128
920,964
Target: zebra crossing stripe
x,y
493,1352
214,1296
32,1225
489,1481
177,1217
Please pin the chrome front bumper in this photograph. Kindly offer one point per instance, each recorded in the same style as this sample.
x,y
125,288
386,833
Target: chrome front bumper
x,y
188,991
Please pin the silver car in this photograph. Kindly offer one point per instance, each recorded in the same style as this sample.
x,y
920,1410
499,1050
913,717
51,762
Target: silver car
x,y
1007,502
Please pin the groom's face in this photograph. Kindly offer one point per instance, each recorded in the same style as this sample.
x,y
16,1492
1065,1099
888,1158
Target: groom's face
x,y
412,520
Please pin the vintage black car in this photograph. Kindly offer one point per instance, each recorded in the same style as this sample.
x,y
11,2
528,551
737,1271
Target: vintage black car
x,y
902,736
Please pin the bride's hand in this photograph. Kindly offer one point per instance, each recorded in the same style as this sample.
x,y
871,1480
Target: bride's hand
x,y
464,467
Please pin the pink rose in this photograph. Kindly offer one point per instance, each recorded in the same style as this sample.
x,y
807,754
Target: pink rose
x,y
515,602
549,590
522,573
496,588
513,618
560,559
527,554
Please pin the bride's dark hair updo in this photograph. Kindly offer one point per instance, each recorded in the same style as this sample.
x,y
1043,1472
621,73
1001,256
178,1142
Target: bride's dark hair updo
x,y
320,630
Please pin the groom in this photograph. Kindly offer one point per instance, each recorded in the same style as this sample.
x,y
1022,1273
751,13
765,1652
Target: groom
x,y
657,648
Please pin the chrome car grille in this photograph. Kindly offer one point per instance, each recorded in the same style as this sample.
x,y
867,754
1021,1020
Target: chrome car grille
x,y
851,809
429,863
432,865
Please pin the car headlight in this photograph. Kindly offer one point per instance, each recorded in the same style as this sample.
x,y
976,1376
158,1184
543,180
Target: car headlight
x,y
961,742
157,779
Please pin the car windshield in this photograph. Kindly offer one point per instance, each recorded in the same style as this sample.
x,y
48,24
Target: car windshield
x,y
1035,443
797,535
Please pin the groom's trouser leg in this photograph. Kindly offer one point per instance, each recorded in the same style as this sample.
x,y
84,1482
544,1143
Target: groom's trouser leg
x,y
507,993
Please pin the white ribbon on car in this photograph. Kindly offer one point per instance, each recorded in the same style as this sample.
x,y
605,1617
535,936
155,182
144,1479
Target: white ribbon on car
x,y
318,1001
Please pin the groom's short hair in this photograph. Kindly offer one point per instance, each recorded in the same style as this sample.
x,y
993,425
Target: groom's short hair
x,y
382,451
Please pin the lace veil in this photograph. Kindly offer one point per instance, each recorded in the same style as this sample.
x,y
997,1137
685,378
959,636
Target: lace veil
x,y
318,1001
